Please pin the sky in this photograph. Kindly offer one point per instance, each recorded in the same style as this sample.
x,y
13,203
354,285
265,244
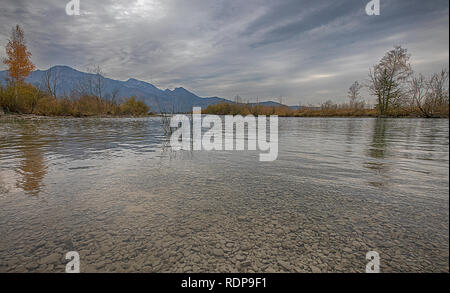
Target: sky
x,y
294,51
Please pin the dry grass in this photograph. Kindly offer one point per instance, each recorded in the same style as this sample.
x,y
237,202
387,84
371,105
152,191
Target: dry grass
x,y
327,110
27,99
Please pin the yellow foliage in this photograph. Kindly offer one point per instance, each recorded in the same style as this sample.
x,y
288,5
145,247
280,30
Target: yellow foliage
x,y
18,60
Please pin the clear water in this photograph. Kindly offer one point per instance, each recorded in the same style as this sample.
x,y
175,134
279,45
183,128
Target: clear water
x,y
113,191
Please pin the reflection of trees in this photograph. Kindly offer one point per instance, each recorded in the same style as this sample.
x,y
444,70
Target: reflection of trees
x,y
352,126
32,167
430,133
378,145
377,151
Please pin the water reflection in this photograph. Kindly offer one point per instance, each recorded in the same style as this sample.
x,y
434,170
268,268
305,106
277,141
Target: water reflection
x,y
377,148
32,167
129,203
352,129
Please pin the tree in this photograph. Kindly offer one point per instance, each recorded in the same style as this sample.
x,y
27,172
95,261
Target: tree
x,y
114,95
18,60
328,105
98,81
439,89
430,96
237,99
50,80
388,77
419,92
354,94
83,86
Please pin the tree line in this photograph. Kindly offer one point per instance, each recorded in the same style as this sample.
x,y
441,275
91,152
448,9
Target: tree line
x,y
398,90
87,97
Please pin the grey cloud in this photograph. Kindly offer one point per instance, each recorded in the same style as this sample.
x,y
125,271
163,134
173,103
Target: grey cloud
x,y
303,50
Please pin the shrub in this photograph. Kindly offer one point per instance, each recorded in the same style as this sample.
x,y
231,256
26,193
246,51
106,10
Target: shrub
x,y
27,99
134,107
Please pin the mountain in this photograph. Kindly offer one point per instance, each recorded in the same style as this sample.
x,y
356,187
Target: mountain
x,y
177,100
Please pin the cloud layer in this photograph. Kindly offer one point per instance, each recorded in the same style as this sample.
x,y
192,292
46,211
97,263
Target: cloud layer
x,y
304,51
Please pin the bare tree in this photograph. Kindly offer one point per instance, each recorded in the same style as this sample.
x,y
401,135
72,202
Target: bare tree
x,y
388,77
237,99
328,105
354,94
114,95
419,92
50,81
92,84
84,86
98,81
432,95
439,88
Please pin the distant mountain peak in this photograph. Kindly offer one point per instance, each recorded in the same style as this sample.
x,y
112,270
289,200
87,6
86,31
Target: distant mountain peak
x,y
179,99
180,89
62,67
136,82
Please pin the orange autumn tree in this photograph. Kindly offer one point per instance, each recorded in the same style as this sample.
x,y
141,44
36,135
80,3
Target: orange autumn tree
x,y
18,60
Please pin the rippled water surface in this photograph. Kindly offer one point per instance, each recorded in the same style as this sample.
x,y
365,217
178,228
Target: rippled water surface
x,y
113,191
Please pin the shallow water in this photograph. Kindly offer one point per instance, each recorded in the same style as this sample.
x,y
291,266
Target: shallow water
x,y
111,190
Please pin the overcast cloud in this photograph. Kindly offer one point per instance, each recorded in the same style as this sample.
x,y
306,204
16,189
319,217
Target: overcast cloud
x,y
303,50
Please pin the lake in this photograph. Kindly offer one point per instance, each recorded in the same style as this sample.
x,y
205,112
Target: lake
x,y
112,190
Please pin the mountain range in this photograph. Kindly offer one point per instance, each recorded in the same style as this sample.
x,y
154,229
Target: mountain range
x,y
178,100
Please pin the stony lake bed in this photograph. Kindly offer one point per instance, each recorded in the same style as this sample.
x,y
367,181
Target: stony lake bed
x,y
110,189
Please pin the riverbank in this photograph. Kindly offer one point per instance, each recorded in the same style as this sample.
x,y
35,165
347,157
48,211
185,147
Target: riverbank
x,y
34,116
326,110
